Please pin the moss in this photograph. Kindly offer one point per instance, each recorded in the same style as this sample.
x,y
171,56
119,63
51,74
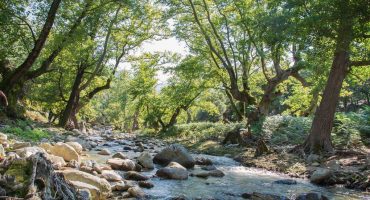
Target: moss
x,y
21,170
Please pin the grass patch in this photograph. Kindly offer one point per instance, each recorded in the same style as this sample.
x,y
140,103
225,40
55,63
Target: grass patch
x,y
23,130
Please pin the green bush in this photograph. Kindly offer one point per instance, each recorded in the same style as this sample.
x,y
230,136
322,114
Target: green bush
x,y
352,129
282,130
197,131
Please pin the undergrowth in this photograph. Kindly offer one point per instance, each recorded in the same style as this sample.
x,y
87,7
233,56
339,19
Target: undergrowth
x,y
23,130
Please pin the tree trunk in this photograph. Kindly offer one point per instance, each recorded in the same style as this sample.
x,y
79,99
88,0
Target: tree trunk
x,y
17,74
65,117
135,123
319,139
188,116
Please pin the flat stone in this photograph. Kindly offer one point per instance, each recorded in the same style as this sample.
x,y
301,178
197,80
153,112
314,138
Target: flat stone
x,y
110,175
121,164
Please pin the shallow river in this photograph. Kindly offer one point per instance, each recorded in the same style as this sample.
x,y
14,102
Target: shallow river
x,y
237,180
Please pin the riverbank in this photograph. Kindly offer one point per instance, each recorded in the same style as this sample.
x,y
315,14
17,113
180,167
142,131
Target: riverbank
x,y
109,163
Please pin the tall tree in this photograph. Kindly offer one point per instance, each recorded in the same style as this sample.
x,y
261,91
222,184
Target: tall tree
x,y
351,21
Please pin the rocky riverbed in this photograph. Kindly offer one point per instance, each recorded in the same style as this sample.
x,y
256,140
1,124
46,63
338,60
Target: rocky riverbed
x,y
107,165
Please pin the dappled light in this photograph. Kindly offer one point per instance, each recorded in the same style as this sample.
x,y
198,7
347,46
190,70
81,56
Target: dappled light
x,y
185,99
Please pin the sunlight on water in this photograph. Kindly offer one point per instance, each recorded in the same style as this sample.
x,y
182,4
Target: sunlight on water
x,y
237,180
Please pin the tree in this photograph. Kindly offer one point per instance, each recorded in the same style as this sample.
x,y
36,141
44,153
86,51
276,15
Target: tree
x,y
348,25
241,38
11,78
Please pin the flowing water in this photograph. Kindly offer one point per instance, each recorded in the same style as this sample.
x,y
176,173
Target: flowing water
x,y
237,180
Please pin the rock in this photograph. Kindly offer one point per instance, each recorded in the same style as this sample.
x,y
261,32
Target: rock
x,y
145,160
65,151
29,151
209,167
313,158
320,175
73,164
84,194
119,155
58,162
76,146
132,175
105,152
19,145
87,169
110,175
102,184
136,192
2,151
46,146
333,165
121,164
71,138
174,153
203,161
286,182
138,167
127,148
93,144
93,191
145,184
206,174
173,171
262,196
120,187
3,138
87,163
311,196
77,132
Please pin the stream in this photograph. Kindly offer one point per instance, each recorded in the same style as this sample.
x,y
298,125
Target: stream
x,y
237,179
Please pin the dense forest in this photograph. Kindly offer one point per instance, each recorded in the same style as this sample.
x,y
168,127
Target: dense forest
x,y
282,85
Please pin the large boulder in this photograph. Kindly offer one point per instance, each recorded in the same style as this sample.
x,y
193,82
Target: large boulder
x,y
76,146
100,183
145,160
320,175
121,164
65,151
174,153
173,171
29,151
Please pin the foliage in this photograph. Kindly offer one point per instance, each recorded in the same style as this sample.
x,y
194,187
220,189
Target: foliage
x,y
24,131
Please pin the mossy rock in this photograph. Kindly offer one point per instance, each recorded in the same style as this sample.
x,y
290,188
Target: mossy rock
x,y
21,170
